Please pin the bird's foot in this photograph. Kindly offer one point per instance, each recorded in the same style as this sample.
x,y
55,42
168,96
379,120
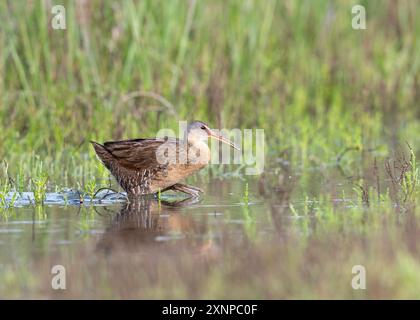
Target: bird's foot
x,y
192,191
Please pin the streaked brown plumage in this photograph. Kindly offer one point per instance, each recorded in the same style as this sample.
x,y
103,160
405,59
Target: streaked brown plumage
x,y
139,170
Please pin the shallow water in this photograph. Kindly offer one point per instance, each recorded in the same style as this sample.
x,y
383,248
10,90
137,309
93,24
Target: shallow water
x,y
283,246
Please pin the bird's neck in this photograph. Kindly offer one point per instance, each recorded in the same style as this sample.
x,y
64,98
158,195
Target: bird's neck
x,y
198,152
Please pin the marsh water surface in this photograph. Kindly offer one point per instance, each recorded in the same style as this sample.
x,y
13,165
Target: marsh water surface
x,y
234,242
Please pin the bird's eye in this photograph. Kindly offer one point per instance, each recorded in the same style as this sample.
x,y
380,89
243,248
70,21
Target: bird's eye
x,y
203,127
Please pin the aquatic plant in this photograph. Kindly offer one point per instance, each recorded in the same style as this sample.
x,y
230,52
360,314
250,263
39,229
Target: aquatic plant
x,y
411,180
90,188
8,196
4,191
39,188
246,194
40,212
404,176
87,220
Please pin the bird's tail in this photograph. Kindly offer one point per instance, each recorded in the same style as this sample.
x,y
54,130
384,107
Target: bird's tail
x,y
104,155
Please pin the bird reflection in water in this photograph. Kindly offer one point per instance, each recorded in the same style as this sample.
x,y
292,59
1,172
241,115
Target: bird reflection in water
x,y
147,223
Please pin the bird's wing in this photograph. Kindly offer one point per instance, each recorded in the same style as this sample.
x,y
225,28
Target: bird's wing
x,y
137,154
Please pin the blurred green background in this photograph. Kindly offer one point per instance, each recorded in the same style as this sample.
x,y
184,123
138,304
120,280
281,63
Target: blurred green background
x,y
125,69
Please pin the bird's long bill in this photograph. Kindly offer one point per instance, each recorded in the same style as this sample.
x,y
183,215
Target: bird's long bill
x,y
223,139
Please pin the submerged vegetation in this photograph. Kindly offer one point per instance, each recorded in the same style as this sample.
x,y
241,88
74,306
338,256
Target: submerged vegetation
x,y
339,108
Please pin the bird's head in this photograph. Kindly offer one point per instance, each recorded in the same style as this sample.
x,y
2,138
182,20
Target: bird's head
x,y
198,131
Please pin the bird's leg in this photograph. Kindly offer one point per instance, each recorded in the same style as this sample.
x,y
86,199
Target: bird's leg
x,y
192,191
